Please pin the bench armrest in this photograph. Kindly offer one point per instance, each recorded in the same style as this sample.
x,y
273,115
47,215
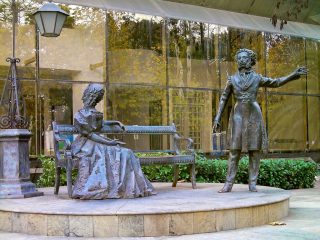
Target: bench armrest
x,y
189,145
114,123
67,148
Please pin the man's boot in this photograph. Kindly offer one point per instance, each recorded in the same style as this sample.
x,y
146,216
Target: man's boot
x,y
233,162
254,164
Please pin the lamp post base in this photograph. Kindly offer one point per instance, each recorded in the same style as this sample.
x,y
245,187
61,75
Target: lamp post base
x,y
18,189
14,165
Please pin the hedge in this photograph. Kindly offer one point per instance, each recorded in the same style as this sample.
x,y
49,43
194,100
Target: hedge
x,y
281,173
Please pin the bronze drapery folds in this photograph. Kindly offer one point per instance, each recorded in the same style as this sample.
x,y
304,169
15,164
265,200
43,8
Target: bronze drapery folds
x,y
105,169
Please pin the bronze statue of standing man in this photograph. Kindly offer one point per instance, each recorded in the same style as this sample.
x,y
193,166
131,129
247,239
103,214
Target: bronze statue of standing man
x,y
246,130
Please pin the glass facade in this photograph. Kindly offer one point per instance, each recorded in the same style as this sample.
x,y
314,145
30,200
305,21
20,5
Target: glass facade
x,y
157,72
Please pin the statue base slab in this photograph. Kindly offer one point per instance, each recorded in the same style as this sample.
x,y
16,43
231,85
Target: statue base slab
x,y
173,211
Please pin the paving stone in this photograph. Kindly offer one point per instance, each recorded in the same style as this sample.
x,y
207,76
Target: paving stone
x,y
19,222
58,225
260,215
156,225
225,220
243,217
204,222
6,221
181,224
131,226
275,211
80,226
105,226
37,224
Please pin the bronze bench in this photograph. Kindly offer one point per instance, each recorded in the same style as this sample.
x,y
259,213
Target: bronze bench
x,y
63,156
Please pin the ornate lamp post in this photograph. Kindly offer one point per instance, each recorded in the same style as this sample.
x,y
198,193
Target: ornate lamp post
x,y
14,134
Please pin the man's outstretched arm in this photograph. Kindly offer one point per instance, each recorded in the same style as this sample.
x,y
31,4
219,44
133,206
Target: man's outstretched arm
x,y
278,82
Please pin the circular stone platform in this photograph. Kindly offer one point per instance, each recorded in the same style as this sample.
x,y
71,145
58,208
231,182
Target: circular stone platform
x,y
173,211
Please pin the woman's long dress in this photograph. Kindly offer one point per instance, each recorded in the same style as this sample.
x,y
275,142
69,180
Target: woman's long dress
x,y
105,171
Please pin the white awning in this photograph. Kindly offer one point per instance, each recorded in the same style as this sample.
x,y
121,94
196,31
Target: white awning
x,y
200,14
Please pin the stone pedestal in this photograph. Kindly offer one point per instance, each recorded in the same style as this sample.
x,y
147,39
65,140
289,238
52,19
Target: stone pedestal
x,y
173,211
14,165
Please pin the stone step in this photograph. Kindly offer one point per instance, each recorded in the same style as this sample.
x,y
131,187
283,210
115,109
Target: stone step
x,y
173,211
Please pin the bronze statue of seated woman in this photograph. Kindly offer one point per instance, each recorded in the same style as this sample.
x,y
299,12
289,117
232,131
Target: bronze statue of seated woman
x,y
106,169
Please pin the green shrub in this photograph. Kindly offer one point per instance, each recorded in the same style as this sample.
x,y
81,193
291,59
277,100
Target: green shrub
x,y
47,178
157,173
281,173
287,174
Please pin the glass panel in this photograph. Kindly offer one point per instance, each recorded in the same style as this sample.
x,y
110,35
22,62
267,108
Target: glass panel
x,y
3,109
29,97
284,54
5,51
78,54
313,62
314,122
287,127
193,54
136,49
59,102
24,48
191,112
136,105
25,39
59,23
231,40
5,37
37,17
49,19
28,94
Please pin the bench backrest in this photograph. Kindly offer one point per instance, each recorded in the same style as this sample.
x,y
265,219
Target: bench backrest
x,y
64,129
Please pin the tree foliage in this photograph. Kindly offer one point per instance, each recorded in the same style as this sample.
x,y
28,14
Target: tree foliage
x,y
286,10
